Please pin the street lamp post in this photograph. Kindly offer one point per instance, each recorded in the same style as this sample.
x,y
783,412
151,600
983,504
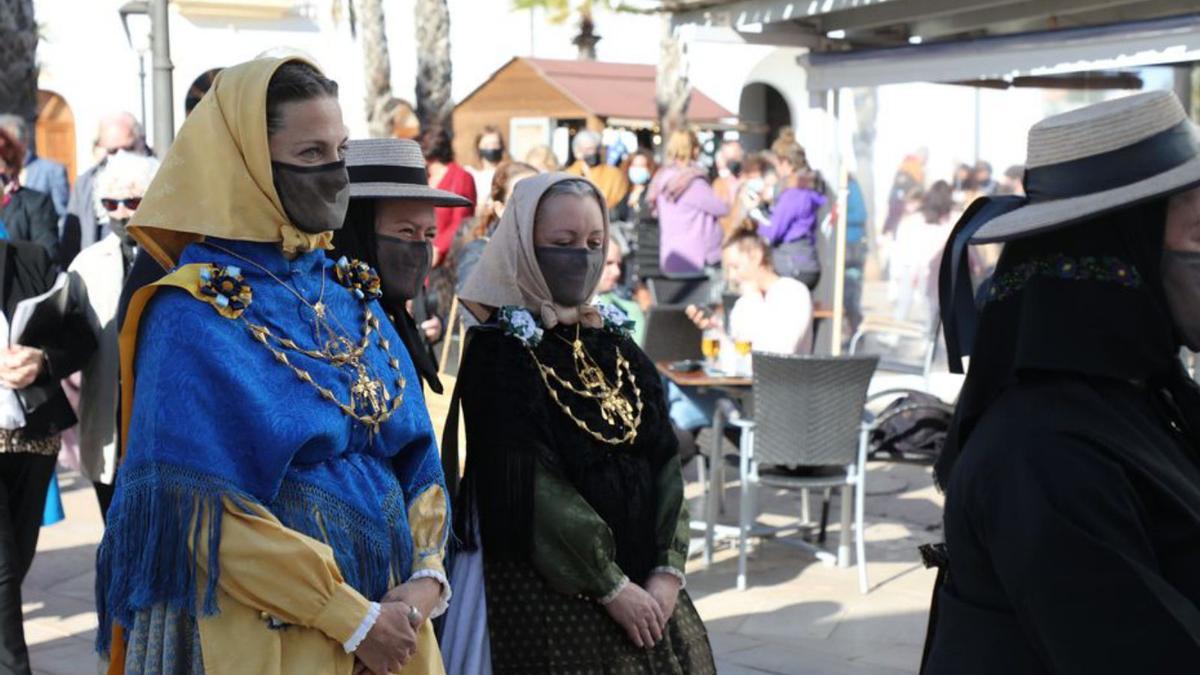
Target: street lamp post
x,y
160,48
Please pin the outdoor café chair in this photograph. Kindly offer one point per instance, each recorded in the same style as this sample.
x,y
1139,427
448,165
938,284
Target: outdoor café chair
x,y
671,335
809,418
683,290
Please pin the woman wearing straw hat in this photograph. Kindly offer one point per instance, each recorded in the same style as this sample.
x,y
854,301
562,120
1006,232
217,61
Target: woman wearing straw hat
x,y
390,225
280,475
571,510
1072,468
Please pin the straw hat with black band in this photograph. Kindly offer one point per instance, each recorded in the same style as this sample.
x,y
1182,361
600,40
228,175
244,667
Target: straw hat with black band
x,y
393,168
1080,165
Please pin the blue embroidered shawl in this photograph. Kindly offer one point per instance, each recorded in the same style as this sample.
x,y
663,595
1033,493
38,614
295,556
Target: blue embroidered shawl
x,y
215,415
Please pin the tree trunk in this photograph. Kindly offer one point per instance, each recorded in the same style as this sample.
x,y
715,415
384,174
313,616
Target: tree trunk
x,y
18,60
434,103
673,88
587,38
377,67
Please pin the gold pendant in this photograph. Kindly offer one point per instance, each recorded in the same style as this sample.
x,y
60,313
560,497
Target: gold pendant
x,y
365,392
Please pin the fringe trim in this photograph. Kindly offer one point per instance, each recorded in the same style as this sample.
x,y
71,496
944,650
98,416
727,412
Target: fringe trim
x,y
146,557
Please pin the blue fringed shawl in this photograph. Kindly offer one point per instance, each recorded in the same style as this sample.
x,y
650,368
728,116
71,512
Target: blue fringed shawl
x,y
215,417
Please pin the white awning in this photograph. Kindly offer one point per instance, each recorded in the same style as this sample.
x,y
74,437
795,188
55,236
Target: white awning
x,y
1121,46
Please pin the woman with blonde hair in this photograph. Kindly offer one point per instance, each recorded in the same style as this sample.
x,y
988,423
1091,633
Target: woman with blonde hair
x,y
689,211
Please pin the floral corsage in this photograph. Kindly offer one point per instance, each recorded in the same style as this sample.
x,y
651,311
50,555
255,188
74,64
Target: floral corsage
x,y
359,278
225,289
519,323
615,319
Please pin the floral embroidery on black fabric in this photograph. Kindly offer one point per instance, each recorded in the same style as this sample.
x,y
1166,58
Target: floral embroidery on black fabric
x,y
519,323
1107,269
359,278
616,321
226,289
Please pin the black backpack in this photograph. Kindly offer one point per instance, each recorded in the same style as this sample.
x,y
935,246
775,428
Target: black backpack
x,y
912,428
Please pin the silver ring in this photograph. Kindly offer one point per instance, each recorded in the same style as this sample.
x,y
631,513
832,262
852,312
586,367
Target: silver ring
x,y
414,616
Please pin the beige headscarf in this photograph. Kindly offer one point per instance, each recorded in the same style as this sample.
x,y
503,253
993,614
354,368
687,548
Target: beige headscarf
x,y
216,179
508,273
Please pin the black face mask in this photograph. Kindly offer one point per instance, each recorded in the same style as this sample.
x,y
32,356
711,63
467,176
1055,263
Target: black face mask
x,y
735,167
571,274
315,198
493,155
592,159
403,266
1181,282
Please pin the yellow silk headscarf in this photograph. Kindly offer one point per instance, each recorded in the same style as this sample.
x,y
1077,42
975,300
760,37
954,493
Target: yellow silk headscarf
x,y
216,179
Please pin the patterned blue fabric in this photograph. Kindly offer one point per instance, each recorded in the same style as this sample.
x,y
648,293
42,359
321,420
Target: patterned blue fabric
x,y
215,415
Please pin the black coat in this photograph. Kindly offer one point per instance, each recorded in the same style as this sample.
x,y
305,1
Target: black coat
x,y
1073,525
30,216
26,270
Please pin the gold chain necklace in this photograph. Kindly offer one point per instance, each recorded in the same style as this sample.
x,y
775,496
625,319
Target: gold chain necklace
x,y
616,409
371,404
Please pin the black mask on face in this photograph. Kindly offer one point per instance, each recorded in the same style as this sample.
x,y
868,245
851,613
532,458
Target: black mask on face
x,y
734,166
403,266
493,155
571,274
315,198
1181,282
592,159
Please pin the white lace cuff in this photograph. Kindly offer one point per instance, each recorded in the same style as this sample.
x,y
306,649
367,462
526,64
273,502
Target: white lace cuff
x,y
615,592
444,600
673,572
365,627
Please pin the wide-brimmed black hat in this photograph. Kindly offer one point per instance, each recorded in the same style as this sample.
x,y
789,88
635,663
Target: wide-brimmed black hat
x,y
393,168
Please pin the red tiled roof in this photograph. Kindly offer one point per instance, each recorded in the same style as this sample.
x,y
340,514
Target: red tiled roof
x,y
623,90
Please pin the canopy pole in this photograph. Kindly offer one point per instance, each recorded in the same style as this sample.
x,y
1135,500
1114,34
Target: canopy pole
x,y
839,229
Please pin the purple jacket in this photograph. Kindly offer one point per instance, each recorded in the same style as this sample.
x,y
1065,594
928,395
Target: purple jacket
x,y
794,217
690,235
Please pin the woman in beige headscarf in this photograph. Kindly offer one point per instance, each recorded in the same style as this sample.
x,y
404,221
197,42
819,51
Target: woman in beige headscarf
x,y
571,507
279,505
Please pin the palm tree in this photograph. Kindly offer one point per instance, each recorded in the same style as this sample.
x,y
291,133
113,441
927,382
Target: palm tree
x,y
673,90
561,10
377,66
434,102
18,59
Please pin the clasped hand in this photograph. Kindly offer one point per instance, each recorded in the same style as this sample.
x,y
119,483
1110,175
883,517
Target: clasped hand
x,y
645,612
392,641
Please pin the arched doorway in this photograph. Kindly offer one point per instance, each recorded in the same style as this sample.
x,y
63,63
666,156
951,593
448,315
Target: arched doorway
x,y
56,131
763,111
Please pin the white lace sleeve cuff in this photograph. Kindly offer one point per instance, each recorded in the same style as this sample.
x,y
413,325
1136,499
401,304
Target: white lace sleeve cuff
x,y
615,592
444,600
365,627
673,572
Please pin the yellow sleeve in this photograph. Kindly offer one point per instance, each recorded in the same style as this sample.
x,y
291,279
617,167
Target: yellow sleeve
x,y
427,520
283,574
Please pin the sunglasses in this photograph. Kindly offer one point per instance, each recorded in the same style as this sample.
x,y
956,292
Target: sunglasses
x,y
112,204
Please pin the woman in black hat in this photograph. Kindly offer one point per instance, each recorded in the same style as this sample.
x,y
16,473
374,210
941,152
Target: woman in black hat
x,y
1072,468
390,226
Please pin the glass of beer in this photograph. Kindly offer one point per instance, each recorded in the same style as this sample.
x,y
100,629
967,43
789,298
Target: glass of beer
x,y
710,346
743,347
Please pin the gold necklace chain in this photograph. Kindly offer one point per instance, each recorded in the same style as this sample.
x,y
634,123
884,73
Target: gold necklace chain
x,y
365,392
615,408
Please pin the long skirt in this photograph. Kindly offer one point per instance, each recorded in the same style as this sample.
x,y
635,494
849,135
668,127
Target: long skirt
x,y
534,630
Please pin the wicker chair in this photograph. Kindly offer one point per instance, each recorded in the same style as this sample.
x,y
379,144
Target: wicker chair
x,y
808,414
671,335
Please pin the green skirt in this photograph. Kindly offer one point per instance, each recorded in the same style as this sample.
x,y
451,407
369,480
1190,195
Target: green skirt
x,y
535,630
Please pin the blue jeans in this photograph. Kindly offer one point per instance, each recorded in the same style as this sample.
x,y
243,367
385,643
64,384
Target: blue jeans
x,y
692,409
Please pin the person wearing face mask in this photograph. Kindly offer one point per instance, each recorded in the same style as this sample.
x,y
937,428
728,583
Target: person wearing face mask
x,y
1072,465
96,276
729,161
489,145
279,503
27,215
589,163
688,210
390,226
571,510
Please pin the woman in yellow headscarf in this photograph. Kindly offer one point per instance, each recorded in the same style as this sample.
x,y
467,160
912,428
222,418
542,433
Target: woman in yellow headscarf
x,y
280,506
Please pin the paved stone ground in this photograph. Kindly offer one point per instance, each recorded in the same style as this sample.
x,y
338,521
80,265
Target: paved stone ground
x,y
799,616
